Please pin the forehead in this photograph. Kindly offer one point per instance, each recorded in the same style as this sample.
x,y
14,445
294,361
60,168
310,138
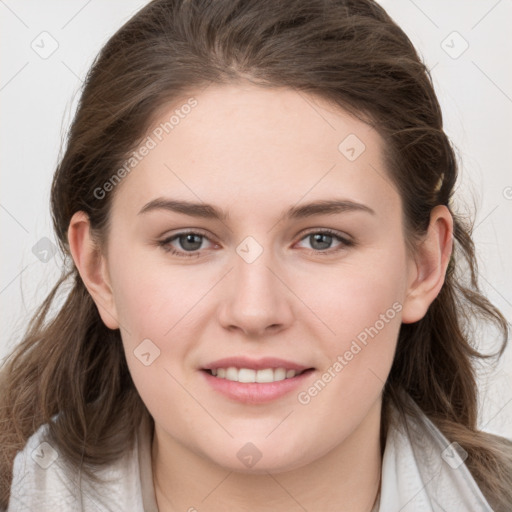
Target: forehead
x,y
254,146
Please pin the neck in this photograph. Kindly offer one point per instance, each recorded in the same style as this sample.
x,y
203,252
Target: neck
x,y
347,478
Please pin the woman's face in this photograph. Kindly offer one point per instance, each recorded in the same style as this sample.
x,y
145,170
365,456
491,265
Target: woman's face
x,y
276,276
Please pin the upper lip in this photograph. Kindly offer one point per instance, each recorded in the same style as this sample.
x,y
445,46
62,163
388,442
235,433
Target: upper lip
x,y
255,364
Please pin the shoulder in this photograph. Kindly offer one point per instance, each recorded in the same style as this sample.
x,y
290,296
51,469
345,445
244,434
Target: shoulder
x,y
44,481
422,468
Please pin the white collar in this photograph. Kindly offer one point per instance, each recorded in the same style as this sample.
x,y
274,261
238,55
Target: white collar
x,y
415,476
423,472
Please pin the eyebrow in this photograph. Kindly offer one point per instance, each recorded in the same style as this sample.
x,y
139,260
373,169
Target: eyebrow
x,y
208,211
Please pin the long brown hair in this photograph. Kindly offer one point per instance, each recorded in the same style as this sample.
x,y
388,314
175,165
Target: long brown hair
x,y
70,371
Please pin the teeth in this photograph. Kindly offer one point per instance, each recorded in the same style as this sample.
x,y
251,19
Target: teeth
x,y
279,374
246,375
231,373
249,375
266,375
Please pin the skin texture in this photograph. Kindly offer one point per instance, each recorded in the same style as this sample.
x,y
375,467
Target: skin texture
x,y
254,153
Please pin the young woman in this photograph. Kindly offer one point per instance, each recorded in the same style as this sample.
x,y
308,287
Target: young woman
x,y
268,307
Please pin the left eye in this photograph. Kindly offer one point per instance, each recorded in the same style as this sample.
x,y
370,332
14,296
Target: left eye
x,y
321,241
190,244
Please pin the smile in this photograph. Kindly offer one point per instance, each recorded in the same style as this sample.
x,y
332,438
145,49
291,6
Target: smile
x,y
250,386
249,375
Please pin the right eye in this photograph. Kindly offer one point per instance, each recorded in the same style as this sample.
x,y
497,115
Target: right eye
x,y
189,242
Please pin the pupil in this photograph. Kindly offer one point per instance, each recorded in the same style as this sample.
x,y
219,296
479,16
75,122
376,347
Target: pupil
x,y
189,238
318,238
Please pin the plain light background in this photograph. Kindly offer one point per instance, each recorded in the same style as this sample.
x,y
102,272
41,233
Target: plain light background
x,y
48,47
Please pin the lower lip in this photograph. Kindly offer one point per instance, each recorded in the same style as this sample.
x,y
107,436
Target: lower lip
x,y
255,392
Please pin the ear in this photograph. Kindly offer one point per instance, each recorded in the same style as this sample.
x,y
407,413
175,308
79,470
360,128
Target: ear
x,y
92,266
428,267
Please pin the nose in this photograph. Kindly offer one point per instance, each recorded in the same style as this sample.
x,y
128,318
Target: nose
x,y
257,302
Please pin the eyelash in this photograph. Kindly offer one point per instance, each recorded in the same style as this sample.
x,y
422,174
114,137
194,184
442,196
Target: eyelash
x,y
169,249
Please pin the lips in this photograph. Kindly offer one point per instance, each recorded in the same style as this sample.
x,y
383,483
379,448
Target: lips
x,y
255,364
255,381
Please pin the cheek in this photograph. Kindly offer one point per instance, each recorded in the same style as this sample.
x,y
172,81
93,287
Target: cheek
x,y
353,295
156,306
366,319
361,305
150,298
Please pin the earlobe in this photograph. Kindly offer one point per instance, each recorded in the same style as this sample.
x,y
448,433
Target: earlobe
x,y
92,266
427,272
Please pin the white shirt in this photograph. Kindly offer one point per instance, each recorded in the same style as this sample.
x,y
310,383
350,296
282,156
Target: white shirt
x,y
421,472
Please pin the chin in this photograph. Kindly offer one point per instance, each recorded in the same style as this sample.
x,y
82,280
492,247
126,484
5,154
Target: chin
x,y
260,458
